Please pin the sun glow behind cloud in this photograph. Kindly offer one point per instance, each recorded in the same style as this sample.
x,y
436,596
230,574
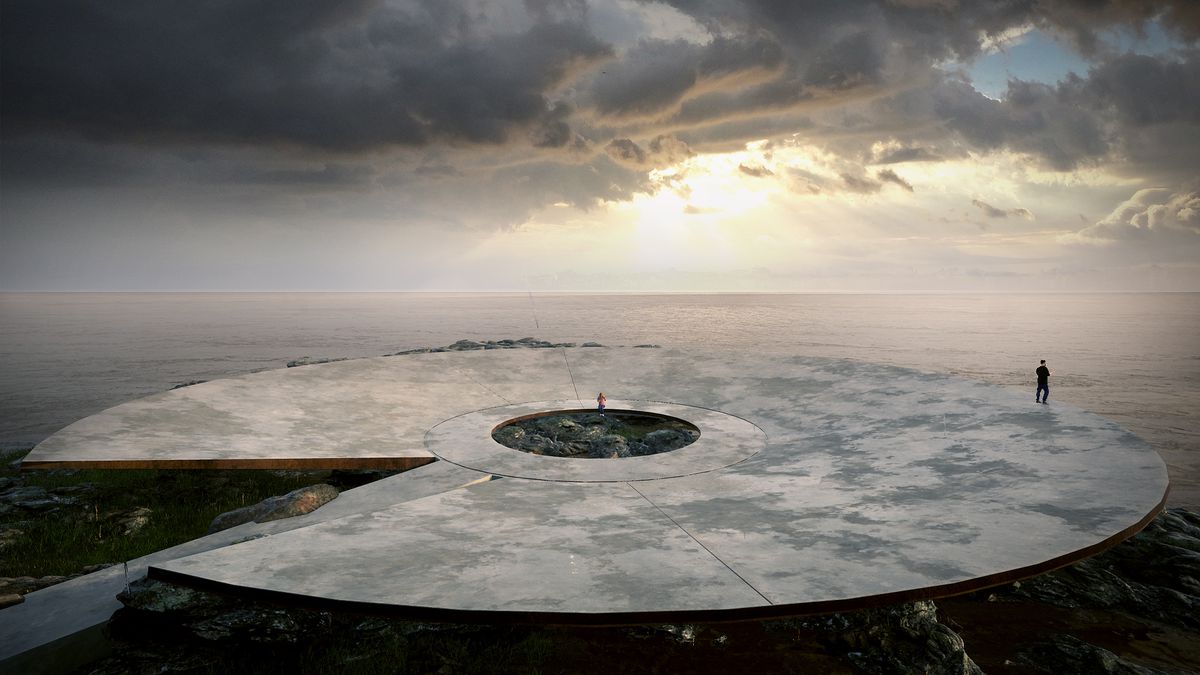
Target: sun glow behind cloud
x,y
788,215
602,144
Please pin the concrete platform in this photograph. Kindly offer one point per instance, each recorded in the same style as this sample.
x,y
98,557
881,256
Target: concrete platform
x,y
816,485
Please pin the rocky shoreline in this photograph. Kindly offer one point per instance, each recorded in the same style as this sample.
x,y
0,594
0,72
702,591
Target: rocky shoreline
x,y
1130,610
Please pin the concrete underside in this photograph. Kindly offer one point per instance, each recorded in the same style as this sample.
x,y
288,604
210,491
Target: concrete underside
x,y
816,485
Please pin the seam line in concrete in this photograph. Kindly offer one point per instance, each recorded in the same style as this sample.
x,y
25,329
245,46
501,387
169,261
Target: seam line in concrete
x,y
700,543
486,388
572,376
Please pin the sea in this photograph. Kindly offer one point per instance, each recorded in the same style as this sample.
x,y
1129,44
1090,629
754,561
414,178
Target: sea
x,y
1131,357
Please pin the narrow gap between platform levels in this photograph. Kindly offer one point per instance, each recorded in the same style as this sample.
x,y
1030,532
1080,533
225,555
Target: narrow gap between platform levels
x,y
699,543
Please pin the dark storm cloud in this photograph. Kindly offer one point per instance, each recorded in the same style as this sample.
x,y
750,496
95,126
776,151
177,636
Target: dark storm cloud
x,y
837,54
662,150
755,171
328,93
625,150
1144,90
900,155
1137,114
655,75
994,212
1105,115
889,176
1083,20
1033,118
356,75
437,170
666,149
860,184
989,210
513,193
331,75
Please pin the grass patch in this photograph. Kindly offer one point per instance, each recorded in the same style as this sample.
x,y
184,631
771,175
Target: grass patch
x,y
84,518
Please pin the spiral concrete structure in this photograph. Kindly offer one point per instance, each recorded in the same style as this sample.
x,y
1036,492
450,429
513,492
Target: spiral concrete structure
x,y
816,485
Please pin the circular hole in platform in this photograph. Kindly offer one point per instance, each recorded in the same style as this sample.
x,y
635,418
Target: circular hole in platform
x,y
586,434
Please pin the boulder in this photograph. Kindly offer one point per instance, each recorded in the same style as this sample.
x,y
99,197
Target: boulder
x,y
510,435
308,361
663,440
538,445
132,521
30,498
170,600
610,446
213,617
27,585
575,449
907,639
1067,654
295,503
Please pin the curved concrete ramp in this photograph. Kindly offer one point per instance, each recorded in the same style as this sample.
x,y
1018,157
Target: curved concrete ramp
x,y
816,485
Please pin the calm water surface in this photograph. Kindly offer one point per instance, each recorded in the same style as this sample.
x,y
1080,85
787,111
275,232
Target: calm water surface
x,y
1134,358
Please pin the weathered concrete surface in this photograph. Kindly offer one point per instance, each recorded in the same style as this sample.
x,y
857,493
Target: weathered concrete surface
x,y
724,440
373,410
816,485
86,602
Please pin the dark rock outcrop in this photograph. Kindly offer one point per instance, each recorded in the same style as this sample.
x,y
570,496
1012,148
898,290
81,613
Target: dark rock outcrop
x,y
295,503
472,345
905,639
1154,575
1067,654
608,436
1134,608
309,361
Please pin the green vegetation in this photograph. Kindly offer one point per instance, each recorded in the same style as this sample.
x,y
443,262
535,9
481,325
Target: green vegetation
x,y
90,517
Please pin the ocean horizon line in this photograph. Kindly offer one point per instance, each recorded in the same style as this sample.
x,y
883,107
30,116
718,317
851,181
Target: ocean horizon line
x,y
520,292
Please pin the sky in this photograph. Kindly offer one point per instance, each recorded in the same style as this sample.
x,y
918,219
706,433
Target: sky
x,y
600,145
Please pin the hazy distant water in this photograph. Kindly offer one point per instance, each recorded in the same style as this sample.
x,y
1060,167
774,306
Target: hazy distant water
x,y
1134,358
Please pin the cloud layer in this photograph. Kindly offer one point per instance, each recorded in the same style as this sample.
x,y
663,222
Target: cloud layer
x,y
476,116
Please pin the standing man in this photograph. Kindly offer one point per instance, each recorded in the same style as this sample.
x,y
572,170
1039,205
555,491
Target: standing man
x,y
1042,395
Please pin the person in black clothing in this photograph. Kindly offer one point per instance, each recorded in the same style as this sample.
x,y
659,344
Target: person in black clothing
x,y
1042,395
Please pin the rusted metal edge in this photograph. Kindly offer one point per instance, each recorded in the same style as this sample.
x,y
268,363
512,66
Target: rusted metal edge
x,y
313,463
755,613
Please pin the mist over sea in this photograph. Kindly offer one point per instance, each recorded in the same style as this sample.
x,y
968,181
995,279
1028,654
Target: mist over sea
x,y
1133,358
